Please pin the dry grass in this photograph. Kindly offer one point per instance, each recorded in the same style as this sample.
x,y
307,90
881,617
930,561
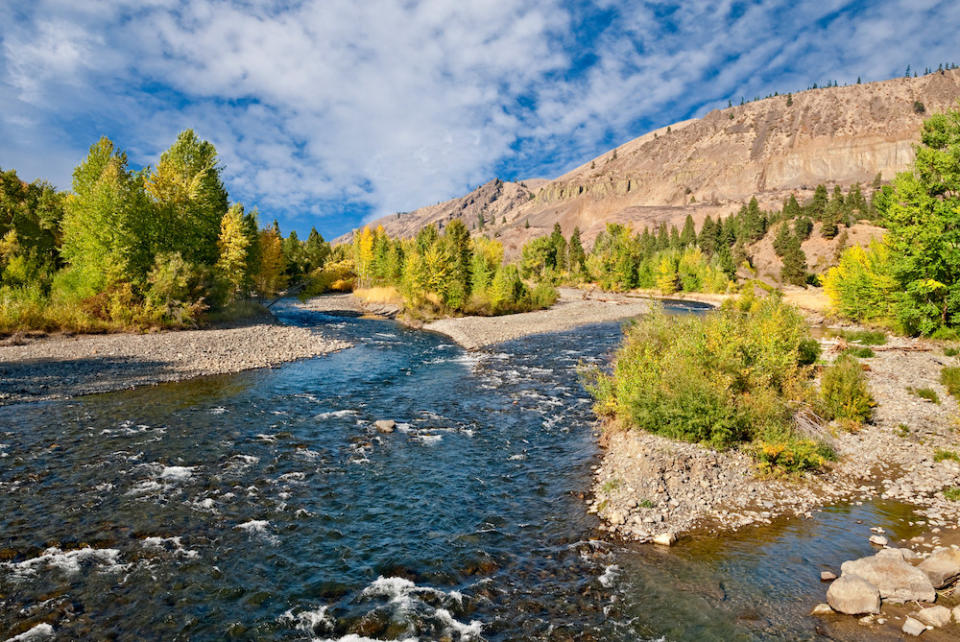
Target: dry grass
x,y
379,295
814,299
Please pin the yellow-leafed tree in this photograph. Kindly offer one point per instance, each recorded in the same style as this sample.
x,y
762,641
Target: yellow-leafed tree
x,y
269,278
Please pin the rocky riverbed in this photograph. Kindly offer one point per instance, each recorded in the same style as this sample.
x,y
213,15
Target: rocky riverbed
x,y
648,487
60,366
573,308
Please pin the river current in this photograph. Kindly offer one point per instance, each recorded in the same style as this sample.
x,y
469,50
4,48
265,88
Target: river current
x,y
264,505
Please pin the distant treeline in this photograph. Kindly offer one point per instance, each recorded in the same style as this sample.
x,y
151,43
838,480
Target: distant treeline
x,y
672,259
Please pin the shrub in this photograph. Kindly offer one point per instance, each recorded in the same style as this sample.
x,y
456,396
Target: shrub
x,y
733,376
925,393
951,352
862,286
862,353
950,377
866,337
542,296
844,393
791,455
942,455
952,493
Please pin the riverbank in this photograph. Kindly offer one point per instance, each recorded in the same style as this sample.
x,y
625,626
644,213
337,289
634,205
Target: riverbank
x,y
573,308
36,368
649,486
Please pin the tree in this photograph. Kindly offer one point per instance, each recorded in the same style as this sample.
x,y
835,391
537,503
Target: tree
x,y
559,248
782,240
923,219
269,278
578,258
107,222
818,206
794,263
293,255
831,219
688,236
233,244
190,199
315,250
458,245
363,255
708,239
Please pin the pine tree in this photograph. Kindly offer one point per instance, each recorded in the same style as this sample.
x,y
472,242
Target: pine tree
x,y
794,263
783,239
708,239
578,258
818,206
316,250
831,219
688,236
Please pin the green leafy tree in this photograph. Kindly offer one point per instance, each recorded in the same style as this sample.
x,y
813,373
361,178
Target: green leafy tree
x,y
108,221
189,198
923,220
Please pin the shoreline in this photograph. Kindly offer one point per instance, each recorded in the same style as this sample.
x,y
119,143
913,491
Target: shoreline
x,y
647,486
65,366
574,308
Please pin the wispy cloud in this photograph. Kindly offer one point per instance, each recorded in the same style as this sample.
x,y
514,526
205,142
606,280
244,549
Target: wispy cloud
x,y
326,110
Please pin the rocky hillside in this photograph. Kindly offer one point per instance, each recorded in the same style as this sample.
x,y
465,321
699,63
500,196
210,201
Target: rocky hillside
x,y
711,165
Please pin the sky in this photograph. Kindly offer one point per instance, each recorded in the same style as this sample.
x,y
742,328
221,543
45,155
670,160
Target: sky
x,y
328,113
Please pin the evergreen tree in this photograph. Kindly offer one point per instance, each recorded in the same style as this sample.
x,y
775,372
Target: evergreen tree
x,y
794,263
783,239
831,219
315,250
688,236
818,206
708,239
458,247
293,256
578,258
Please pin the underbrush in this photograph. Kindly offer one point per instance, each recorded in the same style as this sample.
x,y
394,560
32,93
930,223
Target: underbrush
x,y
735,377
950,378
843,392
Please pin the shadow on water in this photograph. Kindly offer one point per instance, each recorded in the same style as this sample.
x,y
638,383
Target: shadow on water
x,y
265,505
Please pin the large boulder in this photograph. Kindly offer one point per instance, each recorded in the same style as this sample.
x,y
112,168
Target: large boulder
x,y
896,580
853,595
942,567
385,425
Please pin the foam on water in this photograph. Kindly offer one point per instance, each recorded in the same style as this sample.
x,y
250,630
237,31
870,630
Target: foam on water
x,y
312,622
609,575
177,473
402,594
39,632
259,528
67,561
170,545
335,414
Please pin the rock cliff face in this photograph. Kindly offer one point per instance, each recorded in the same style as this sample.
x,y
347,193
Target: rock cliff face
x,y
711,165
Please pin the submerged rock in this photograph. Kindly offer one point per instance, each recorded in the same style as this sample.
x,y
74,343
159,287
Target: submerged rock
x,y
896,580
942,567
822,609
665,539
853,595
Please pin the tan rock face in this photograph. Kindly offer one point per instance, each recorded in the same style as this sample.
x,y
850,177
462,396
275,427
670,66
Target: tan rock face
x,y
710,166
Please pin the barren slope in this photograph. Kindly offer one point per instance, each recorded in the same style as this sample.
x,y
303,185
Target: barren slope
x,y
838,135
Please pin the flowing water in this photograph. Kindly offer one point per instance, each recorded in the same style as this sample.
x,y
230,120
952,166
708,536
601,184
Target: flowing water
x,y
264,505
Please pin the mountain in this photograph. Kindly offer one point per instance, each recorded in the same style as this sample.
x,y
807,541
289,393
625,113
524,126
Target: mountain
x,y
712,165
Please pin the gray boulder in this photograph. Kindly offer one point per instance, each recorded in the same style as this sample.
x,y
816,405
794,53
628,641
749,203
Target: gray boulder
x,y
942,567
896,580
853,595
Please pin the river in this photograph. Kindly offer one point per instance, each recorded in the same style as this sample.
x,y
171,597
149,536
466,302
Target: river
x,y
264,505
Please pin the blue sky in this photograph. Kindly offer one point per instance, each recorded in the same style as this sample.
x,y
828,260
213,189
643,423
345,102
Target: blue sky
x,y
330,112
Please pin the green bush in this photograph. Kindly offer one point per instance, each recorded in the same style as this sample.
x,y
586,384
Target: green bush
x,y
542,296
950,377
844,393
925,393
942,455
952,493
866,337
733,376
862,353
951,352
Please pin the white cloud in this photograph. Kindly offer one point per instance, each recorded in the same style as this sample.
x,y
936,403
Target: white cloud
x,y
399,104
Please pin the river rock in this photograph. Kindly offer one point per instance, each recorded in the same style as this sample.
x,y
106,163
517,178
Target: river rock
x,y
956,614
822,609
853,595
934,616
827,576
878,540
385,425
913,627
665,539
896,580
942,567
